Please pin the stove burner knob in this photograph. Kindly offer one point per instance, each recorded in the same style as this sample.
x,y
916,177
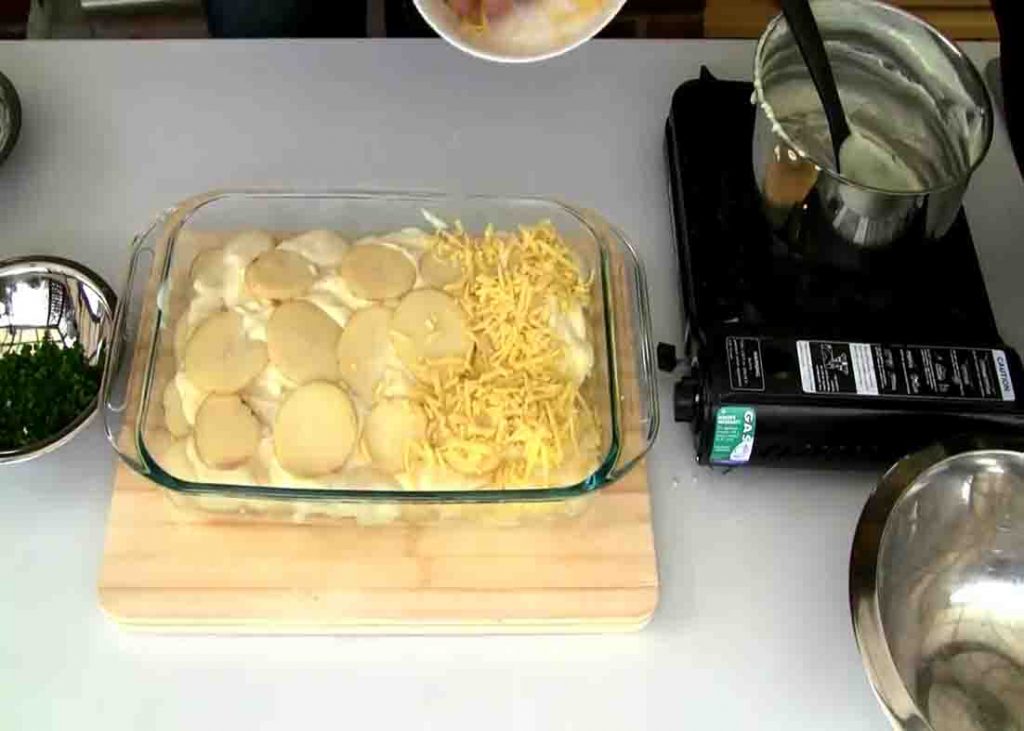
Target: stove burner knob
x,y
667,360
686,398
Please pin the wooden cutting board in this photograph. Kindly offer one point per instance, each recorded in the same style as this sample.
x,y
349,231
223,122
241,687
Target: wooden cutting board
x,y
169,569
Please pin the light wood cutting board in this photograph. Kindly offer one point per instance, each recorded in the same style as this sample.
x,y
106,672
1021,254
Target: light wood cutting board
x,y
167,569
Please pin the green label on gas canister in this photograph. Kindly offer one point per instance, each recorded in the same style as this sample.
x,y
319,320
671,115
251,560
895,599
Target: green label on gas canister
x,y
735,427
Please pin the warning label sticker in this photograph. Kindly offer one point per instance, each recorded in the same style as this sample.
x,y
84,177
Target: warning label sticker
x,y
746,367
865,369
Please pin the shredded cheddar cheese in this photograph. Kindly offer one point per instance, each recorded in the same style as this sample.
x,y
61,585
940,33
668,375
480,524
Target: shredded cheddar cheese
x,y
511,410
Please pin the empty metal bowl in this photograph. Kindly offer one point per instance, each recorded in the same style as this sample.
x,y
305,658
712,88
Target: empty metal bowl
x,y
937,588
47,296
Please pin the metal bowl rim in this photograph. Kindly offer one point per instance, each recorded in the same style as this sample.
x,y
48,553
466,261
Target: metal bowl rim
x,y
869,536
87,275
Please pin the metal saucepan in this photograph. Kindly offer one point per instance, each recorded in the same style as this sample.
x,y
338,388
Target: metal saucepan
x,y
910,93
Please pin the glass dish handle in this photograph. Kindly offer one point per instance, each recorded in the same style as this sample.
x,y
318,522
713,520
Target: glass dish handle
x,y
633,344
116,386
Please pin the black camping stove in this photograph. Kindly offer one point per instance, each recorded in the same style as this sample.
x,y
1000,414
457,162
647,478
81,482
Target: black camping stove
x,y
798,355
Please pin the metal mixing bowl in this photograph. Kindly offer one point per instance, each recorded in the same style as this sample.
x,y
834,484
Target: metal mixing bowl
x,y
45,295
937,588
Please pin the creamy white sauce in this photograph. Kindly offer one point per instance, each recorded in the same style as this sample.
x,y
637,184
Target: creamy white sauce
x,y
395,381
870,163
202,307
265,393
234,291
255,316
336,286
439,477
239,252
191,396
571,328
412,240
323,248
330,304
241,249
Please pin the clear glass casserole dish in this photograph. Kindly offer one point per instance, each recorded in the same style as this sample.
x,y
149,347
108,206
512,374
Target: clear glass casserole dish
x,y
146,363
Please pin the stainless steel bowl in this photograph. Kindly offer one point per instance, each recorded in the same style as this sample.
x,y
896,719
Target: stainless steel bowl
x,y
937,588
65,300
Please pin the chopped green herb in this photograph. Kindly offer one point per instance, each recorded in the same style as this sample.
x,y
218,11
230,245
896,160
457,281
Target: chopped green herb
x,y
43,388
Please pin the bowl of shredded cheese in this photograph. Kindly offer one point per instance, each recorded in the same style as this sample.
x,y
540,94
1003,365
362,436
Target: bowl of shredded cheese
x,y
517,31
387,356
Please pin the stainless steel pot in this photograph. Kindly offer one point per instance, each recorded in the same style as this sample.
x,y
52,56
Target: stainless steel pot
x,y
906,88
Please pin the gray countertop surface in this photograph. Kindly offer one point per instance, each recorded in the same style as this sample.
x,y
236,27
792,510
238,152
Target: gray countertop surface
x,y
753,629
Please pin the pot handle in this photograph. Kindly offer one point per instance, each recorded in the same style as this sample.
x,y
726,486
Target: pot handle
x,y
117,383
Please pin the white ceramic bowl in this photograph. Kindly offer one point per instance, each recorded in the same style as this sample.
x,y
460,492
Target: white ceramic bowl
x,y
447,24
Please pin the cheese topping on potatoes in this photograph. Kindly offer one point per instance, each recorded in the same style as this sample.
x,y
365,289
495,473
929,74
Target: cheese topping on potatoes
x,y
427,361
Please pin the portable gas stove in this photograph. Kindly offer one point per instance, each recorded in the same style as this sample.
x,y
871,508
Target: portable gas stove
x,y
818,352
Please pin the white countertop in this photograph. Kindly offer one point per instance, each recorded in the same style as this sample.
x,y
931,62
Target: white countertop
x,y
753,629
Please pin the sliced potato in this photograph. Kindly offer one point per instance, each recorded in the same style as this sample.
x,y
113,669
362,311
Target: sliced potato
x,y
395,381
391,427
279,275
175,462
364,477
315,430
202,306
207,271
470,458
181,333
157,441
410,238
439,272
323,248
363,350
264,394
243,247
227,432
220,358
302,341
174,414
255,314
239,251
191,397
260,464
377,272
429,326
439,476
264,408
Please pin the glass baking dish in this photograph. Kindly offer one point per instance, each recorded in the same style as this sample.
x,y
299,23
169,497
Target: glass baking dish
x,y
621,384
